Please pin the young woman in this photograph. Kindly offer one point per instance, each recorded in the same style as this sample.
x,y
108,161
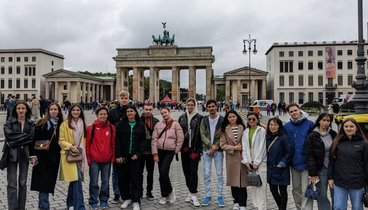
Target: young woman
x,y
19,132
230,140
279,155
44,174
191,149
317,153
167,139
72,135
254,153
100,152
348,165
130,140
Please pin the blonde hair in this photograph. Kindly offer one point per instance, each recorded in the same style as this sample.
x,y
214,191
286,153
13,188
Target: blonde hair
x,y
123,93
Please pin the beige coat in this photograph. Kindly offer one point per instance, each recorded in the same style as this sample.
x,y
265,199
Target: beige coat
x,y
235,170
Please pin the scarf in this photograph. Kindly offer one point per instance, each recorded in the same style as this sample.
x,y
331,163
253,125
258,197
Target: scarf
x,y
77,137
148,122
190,116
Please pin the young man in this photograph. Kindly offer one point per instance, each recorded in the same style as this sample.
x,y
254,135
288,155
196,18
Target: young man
x,y
297,130
209,129
149,122
115,115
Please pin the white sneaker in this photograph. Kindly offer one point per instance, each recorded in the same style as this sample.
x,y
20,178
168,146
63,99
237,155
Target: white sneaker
x,y
136,206
236,206
71,208
125,204
188,198
162,200
172,197
194,201
242,208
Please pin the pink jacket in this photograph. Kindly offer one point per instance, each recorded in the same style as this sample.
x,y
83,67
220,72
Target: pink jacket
x,y
171,140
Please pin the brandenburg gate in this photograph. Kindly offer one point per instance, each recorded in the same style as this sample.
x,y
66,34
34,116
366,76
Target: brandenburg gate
x,y
164,55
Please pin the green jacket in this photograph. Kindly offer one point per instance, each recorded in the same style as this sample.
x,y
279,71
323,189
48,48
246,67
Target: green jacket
x,y
205,133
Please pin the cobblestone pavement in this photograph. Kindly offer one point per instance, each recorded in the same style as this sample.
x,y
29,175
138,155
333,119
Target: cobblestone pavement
x,y
58,201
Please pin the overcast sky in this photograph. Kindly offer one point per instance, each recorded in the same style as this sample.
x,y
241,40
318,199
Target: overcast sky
x,y
87,32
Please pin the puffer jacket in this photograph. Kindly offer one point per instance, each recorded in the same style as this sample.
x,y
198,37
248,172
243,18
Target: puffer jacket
x,y
172,139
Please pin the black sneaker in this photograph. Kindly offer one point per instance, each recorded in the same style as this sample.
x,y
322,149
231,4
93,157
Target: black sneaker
x,y
150,196
116,199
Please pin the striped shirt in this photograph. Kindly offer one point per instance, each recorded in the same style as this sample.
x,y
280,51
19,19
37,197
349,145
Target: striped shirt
x,y
235,132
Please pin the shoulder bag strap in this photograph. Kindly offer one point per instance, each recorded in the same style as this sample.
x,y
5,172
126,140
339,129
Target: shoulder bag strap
x,y
269,147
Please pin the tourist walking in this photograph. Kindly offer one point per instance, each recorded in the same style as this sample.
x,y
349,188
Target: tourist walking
x,y
254,156
19,133
348,166
317,153
35,106
279,155
46,168
167,139
231,134
191,149
100,153
73,139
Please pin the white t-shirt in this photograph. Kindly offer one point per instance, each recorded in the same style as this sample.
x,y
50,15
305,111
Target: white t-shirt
x,y
213,123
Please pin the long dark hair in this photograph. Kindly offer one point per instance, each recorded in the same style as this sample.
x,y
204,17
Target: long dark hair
x,y
320,117
256,115
280,131
42,121
342,134
70,118
136,116
28,112
226,122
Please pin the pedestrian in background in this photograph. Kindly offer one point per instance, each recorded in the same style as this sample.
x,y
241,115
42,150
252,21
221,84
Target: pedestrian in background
x,y
348,166
100,153
231,134
167,139
254,156
73,133
19,134
45,171
317,153
279,155
35,106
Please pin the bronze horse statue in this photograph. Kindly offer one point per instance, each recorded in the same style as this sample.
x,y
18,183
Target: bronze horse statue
x,y
157,41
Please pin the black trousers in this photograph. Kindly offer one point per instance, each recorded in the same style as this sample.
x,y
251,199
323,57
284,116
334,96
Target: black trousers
x,y
240,195
190,169
280,195
165,158
147,160
129,180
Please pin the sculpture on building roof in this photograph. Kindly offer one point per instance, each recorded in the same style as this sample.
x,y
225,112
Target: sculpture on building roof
x,y
165,40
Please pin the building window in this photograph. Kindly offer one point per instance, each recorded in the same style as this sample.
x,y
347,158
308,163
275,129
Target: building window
x,y
65,87
291,53
301,80
282,96
33,58
26,71
25,97
350,80
320,53
300,53
282,81
10,59
300,65
10,70
33,83
310,52
350,52
2,59
320,97
310,96
281,54
310,80
2,70
310,65
320,80
320,65
18,70
52,63
25,59
291,80
286,66
25,83
245,85
18,59
17,96
34,70
350,65
339,80
301,97
2,84
339,52
339,65
291,98
17,83
10,83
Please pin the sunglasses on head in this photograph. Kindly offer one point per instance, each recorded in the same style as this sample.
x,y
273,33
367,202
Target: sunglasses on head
x,y
252,119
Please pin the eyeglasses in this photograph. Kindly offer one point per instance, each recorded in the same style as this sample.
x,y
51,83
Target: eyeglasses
x,y
252,119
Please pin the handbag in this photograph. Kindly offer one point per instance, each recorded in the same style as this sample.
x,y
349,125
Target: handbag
x,y
312,192
44,145
365,196
73,157
4,158
254,179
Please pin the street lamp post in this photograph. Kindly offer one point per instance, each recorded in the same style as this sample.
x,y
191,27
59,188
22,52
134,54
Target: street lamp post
x,y
249,41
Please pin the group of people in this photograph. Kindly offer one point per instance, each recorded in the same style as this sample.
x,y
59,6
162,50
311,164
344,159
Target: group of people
x,y
129,144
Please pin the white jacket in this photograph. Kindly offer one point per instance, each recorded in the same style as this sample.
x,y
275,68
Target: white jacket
x,y
256,154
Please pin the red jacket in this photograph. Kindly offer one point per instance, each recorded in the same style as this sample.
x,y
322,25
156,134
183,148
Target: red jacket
x,y
100,147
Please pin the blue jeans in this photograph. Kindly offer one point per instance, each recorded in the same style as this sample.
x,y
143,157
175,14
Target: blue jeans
x,y
115,182
43,201
341,198
218,157
94,191
323,202
75,194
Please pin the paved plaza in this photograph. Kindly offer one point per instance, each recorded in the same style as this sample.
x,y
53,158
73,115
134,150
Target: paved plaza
x,y
58,201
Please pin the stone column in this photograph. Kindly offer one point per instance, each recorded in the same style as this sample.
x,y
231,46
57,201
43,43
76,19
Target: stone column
x,y
124,80
157,85
227,91
57,91
192,82
119,82
135,84
208,82
47,90
84,92
140,84
98,92
79,92
252,89
174,84
69,85
111,92
88,93
238,97
102,92
264,89
152,82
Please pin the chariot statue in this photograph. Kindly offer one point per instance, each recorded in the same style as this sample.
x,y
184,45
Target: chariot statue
x,y
165,40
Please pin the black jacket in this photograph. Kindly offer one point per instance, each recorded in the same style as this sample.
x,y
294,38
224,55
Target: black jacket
x,y
314,150
148,139
196,142
116,114
122,144
350,167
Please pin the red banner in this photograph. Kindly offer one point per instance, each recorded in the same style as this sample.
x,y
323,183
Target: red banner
x,y
330,62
